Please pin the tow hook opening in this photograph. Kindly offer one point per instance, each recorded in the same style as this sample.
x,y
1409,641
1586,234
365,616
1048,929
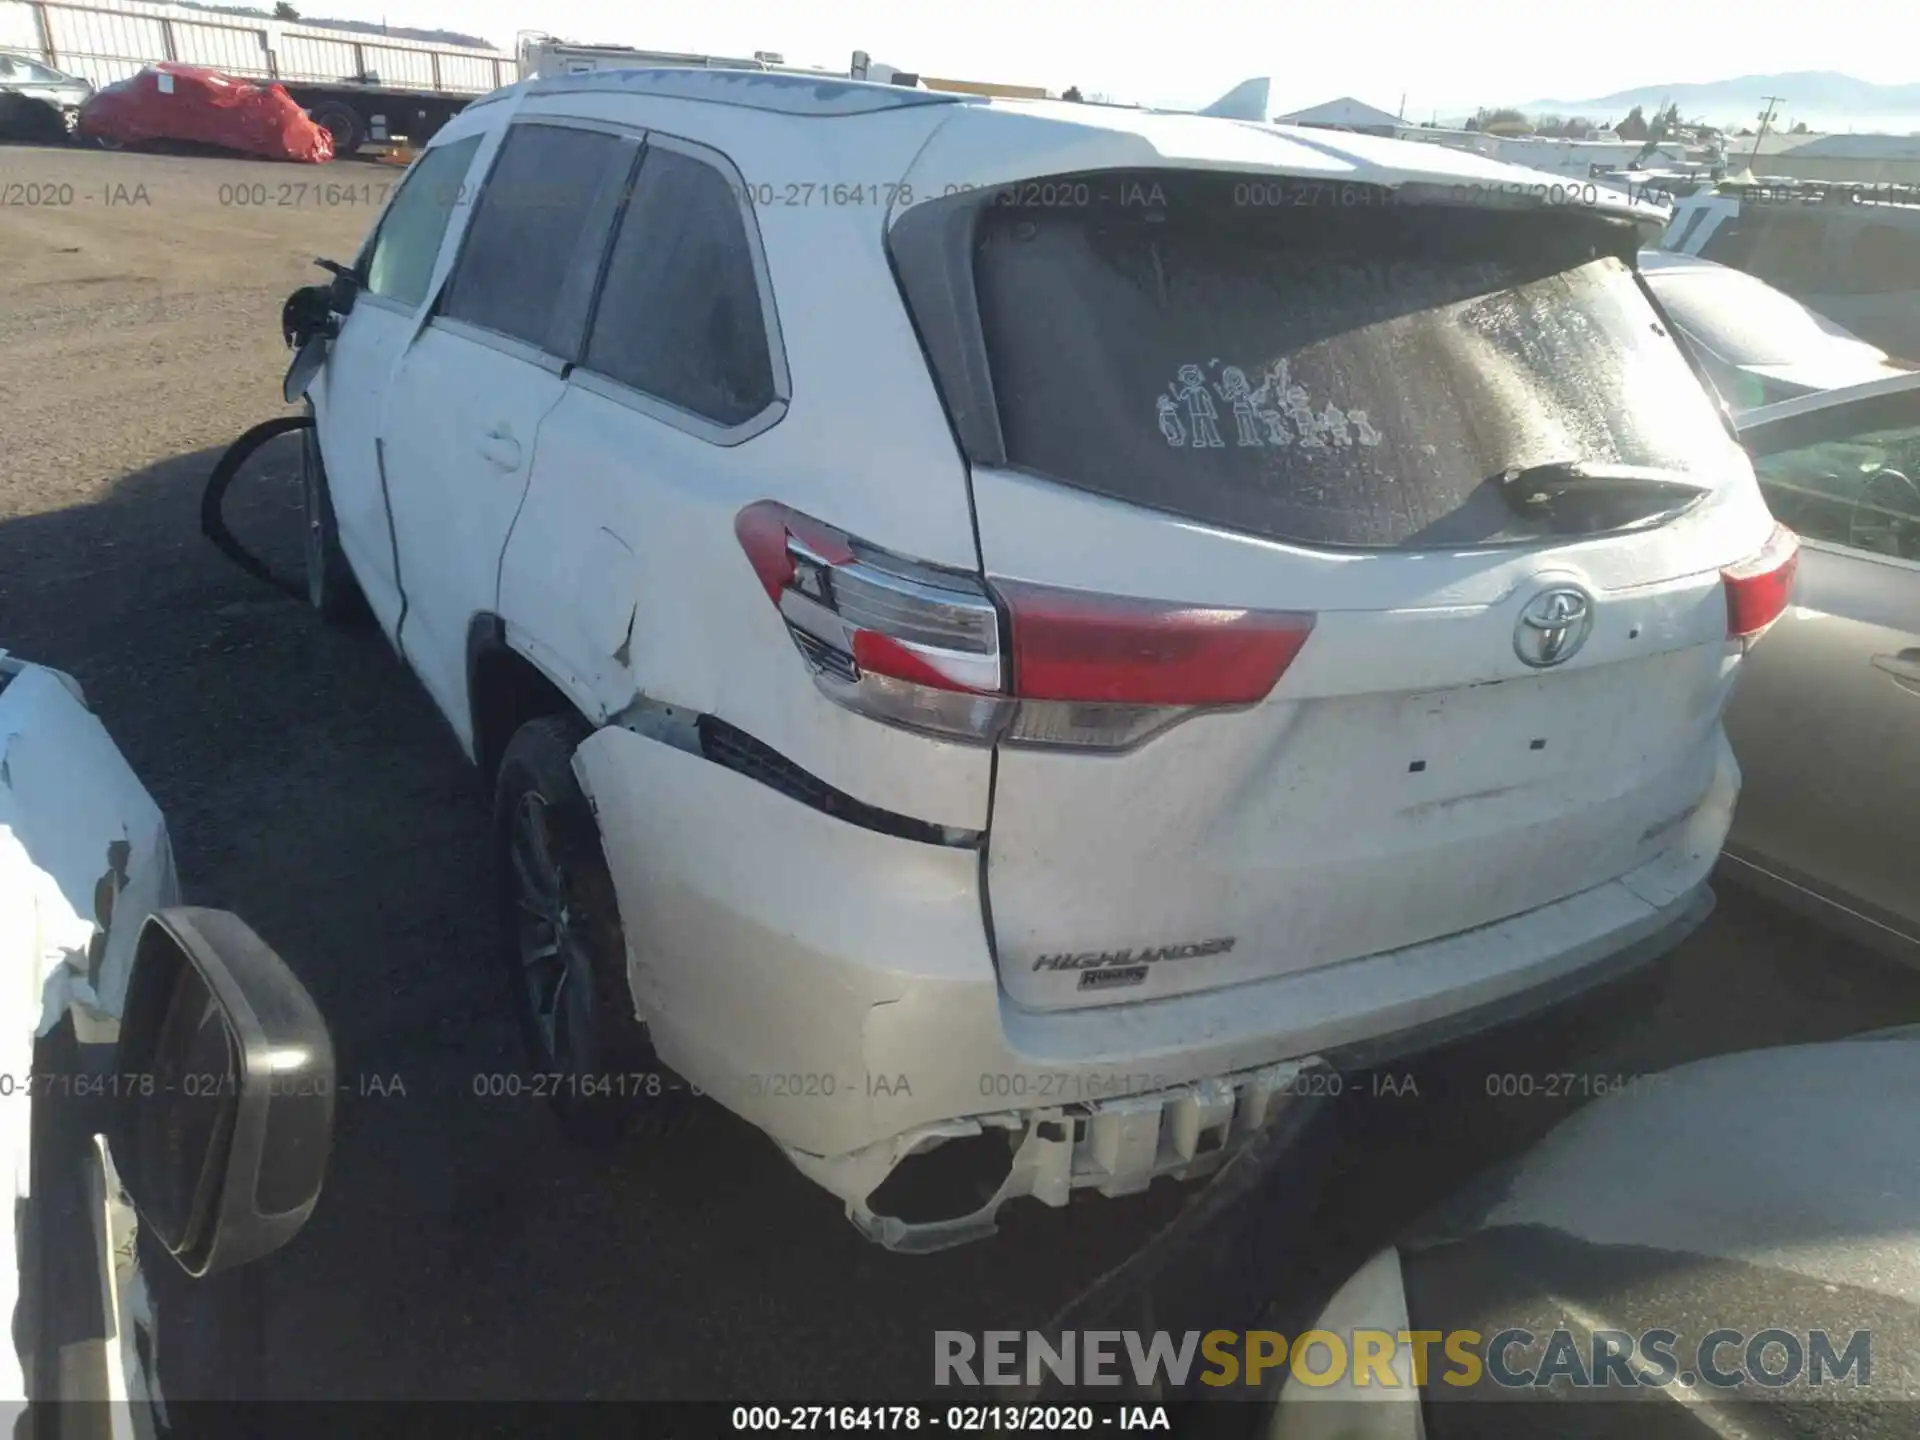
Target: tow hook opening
x,y
948,1180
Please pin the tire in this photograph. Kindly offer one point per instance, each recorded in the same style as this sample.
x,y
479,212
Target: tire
x,y
564,951
331,588
342,123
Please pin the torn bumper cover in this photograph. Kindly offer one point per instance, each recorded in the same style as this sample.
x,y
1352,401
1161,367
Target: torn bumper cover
x,y
833,986
1116,1147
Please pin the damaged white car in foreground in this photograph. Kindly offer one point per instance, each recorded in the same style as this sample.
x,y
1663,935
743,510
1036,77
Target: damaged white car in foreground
x,y
1001,674
140,1045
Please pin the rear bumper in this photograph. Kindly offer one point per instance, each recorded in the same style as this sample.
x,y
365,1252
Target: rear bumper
x,y
834,986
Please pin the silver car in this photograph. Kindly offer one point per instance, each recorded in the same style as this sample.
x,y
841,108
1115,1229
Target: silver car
x,y
1851,252
1826,720
1757,345
38,102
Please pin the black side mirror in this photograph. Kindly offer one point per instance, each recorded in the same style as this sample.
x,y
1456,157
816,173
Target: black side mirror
x,y
225,1116
306,313
306,364
347,284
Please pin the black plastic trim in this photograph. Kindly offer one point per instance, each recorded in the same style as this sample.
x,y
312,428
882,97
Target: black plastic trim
x,y
931,247
731,747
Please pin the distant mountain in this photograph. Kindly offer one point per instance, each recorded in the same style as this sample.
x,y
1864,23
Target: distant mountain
x,y
1824,99
361,27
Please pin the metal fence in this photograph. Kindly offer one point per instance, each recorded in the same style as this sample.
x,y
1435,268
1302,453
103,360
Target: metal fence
x,y
108,42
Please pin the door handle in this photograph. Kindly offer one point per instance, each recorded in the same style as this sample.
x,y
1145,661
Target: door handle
x,y
500,449
1904,668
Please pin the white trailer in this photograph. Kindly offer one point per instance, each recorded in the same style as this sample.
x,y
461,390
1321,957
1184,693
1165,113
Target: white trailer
x,y
542,57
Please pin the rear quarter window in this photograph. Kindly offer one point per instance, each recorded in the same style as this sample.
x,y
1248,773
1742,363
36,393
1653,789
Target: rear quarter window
x,y
680,316
1341,376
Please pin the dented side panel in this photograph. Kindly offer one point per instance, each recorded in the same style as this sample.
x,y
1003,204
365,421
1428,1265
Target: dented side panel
x,y
764,936
624,577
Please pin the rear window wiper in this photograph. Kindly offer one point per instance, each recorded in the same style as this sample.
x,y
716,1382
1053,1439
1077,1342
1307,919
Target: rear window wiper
x,y
1581,496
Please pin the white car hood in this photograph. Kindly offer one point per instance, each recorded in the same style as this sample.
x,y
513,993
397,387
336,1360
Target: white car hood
x,y
69,803
81,842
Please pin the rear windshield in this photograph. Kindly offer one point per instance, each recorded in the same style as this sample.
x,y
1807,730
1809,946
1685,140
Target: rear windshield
x,y
1339,371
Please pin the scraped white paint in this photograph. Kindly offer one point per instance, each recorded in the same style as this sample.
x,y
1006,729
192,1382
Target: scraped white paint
x,y
66,794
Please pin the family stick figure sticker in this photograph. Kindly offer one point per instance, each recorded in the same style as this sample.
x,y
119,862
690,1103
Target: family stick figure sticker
x,y
1189,418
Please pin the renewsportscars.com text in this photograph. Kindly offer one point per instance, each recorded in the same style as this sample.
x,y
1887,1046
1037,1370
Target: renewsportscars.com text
x,y
1771,1358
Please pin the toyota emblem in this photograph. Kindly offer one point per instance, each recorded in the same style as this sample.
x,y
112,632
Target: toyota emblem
x,y
1553,626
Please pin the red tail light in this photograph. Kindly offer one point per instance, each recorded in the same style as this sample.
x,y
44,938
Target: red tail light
x,y
1071,645
1758,588
920,646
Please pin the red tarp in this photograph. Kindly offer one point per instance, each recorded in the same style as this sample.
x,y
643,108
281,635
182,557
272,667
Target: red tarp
x,y
183,102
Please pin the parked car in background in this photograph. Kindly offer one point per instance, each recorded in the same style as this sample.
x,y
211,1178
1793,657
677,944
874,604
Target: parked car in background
x,y
1850,253
1758,1283
188,104
1757,344
919,719
38,102
160,1069
1826,721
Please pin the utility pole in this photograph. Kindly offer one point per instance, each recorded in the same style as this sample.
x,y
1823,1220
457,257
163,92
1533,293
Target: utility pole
x,y
1766,119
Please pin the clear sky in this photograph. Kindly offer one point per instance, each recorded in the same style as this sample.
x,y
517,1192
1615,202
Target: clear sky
x,y
1449,57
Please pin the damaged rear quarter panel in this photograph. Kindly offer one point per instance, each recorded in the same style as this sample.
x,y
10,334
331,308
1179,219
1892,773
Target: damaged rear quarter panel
x,y
762,935
623,568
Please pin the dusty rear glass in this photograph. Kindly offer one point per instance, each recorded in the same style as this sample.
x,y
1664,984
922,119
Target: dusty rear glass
x,y
1336,370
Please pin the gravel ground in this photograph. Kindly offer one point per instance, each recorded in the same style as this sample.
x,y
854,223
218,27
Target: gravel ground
x,y
461,1250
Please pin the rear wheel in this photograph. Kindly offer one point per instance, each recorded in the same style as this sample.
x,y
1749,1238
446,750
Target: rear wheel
x,y
566,953
343,124
331,588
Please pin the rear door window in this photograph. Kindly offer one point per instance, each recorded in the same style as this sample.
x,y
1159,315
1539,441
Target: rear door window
x,y
399,264
1334,375
528,263
680,315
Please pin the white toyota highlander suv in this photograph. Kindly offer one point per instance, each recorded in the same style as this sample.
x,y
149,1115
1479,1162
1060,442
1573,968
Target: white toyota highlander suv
x,y
1013,632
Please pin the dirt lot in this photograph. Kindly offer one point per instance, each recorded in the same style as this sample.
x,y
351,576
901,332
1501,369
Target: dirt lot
x,y
460,1249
